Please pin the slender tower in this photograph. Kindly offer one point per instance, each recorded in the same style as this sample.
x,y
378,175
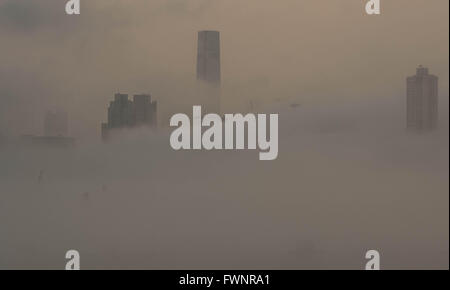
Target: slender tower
x,y
422,100
208,57
208,69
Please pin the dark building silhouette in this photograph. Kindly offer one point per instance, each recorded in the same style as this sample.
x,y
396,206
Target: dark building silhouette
x,y
144,111
422,101
208,69
124,113
208,57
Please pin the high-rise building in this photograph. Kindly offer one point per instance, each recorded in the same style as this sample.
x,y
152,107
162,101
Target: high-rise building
x,y
208,57
144,110
56,124
422,100
208,70
120,112
124,113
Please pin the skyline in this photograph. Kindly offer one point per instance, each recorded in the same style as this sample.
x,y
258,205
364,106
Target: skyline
x,y
76,63
294,153
421,100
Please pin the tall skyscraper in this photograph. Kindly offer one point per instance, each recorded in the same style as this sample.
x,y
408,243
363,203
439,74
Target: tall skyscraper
x,y
208,70
144,111
208,57
422,100
56,124
124,113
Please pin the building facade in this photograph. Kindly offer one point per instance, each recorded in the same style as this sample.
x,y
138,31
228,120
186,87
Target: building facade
x,y
422,101
208,70
126,113
208,57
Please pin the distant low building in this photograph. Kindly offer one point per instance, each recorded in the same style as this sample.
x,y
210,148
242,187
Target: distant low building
x,y
56,128
47,141
422,101
124,113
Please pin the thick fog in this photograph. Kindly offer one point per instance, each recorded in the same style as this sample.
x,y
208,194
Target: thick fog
x,y
346,180
348,177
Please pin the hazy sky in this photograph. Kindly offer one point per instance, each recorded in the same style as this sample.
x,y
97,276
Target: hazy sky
x,y
348,177
307,50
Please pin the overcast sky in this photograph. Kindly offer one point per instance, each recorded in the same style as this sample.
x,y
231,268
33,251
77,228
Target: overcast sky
x,y
307,50
348,178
